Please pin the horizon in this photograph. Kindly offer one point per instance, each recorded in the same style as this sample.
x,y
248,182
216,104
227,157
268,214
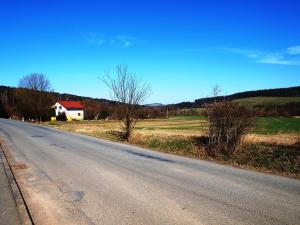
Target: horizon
x,y
181,51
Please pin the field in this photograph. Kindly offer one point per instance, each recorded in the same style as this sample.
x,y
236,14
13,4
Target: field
x,y
185,125
277,125
272,130
272,146
266,101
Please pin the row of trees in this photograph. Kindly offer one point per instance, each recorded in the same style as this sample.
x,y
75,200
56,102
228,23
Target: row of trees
x,y
30,101
33,99
20,103
95,110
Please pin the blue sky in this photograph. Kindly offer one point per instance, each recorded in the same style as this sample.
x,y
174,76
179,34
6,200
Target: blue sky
x,y
182,48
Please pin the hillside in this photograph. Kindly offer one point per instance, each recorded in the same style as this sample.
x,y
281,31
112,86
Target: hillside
x,y
20,103
28,104
5,90
267,101
278,96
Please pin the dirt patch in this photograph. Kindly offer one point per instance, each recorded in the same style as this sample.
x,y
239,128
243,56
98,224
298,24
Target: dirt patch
x,y
19,166
11,159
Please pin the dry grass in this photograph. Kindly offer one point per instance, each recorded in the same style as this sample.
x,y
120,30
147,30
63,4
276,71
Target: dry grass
x,y
164,128
161,128
273,139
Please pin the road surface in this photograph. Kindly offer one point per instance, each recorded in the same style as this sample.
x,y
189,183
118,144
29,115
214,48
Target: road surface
x,y
8,209
75,179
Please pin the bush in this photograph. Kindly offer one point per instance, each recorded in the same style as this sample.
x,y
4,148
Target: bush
x,y
228,122
61,117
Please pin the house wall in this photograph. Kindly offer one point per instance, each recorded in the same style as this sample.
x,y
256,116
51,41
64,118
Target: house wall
x,y
59,109
76,114
70,113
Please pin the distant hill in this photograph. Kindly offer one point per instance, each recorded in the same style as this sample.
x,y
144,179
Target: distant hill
x,y
58,96
267,101
279,95
154,105
28,104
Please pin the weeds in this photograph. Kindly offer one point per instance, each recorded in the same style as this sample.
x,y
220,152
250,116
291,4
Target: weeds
x,y
178,145
275,158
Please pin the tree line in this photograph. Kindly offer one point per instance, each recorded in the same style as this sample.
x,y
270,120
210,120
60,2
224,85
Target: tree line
x,y
34,97
276,92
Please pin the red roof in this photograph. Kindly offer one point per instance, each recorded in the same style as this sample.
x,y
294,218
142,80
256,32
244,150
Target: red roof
x,y
71,104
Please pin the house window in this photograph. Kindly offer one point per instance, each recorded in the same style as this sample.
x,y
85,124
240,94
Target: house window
x,y
78,114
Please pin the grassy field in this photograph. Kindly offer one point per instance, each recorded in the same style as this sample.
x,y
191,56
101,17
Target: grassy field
x,y
266,101
188,125
184,126
277,125
272,147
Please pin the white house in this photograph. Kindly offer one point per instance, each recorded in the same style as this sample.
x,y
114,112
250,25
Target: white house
x,y
74,110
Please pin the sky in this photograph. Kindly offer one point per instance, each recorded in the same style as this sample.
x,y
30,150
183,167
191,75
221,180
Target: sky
x,y
181,48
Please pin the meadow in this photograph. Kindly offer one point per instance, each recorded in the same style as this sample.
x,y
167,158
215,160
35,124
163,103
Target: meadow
x,y
266,101
184,125
277,125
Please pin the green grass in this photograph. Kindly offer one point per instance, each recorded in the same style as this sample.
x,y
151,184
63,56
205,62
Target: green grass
x,y
266,101
275,125
175,145
187,117
263,125
173,128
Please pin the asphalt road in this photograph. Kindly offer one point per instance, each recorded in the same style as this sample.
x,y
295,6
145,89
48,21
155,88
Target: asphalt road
x,y
74,179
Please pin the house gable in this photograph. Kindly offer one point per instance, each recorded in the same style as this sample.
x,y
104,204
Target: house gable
x,y
74,110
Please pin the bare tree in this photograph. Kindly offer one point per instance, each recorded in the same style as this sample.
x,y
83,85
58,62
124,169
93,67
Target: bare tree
x,y
216,91
129,91
34,98
36,82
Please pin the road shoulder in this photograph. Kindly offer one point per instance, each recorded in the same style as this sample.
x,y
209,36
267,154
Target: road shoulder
x,y
13,210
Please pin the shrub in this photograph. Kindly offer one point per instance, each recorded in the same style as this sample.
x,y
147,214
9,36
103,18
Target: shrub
x,y
228,122
61,117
